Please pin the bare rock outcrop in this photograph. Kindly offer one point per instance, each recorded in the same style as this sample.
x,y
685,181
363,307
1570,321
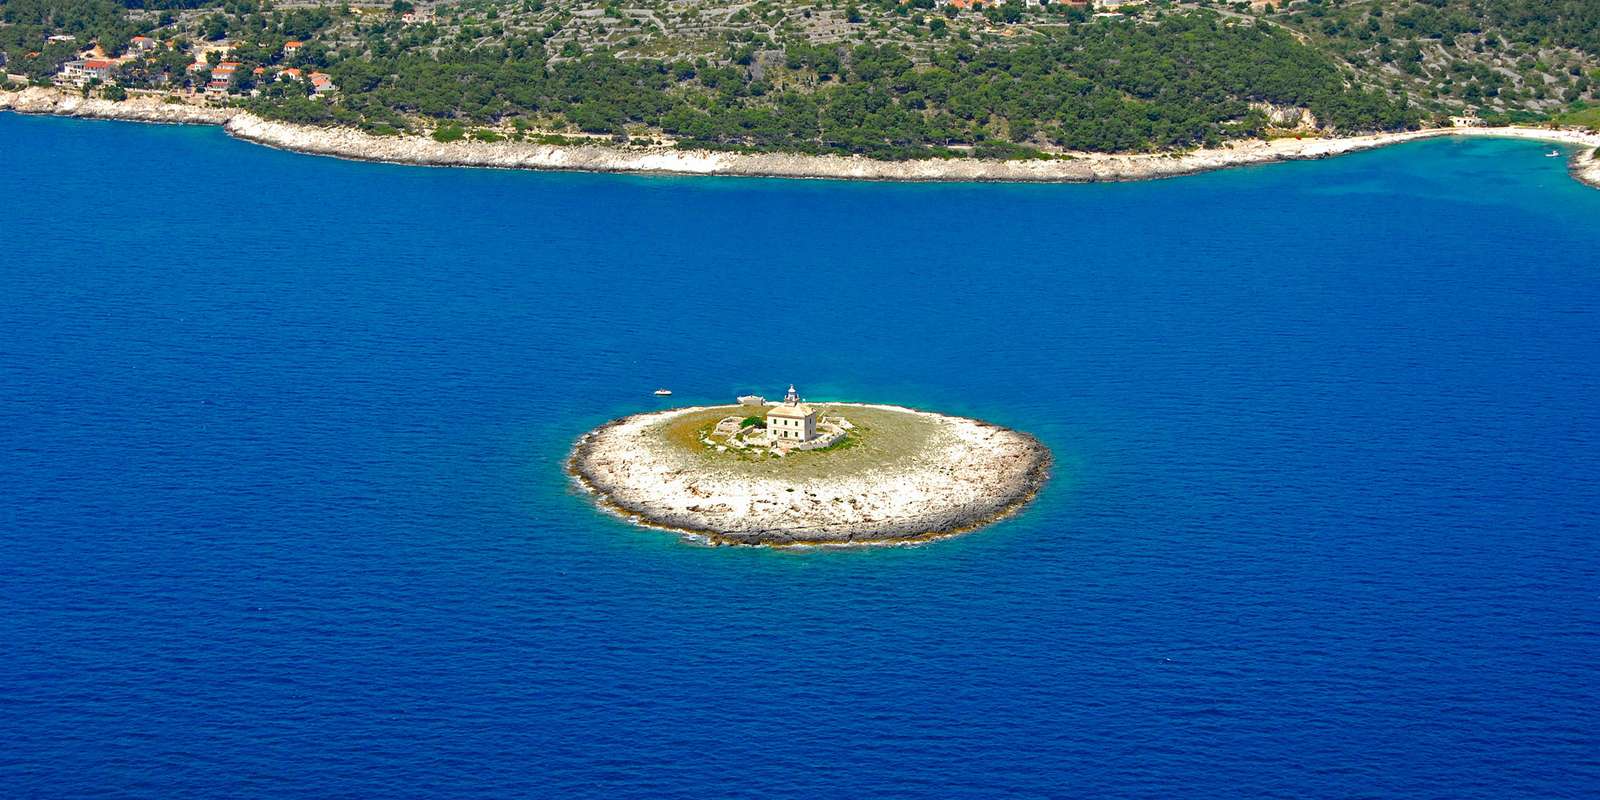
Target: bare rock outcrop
x,y
1586,167
1071,168
139,108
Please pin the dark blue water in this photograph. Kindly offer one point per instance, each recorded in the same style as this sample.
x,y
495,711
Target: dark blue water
x,y
282,511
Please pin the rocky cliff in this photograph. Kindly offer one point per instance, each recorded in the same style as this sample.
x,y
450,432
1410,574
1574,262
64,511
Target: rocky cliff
x,y
141,108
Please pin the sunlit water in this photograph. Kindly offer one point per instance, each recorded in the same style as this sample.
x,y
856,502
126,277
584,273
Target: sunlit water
x,y
282,511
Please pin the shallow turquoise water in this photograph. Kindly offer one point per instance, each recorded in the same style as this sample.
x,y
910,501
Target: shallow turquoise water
x,y
281,507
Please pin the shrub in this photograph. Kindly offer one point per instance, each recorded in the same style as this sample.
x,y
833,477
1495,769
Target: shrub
x,y
448,133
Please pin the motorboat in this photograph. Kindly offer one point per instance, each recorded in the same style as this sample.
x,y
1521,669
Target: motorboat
x,y
663,393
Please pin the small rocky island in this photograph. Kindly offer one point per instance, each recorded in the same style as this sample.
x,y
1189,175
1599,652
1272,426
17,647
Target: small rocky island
x,y
795,473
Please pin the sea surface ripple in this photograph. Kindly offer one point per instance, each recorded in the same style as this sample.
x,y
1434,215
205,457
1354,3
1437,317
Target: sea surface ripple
x,y
282,511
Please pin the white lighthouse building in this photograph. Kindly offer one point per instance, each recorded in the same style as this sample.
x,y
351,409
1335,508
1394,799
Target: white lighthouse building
x,y
792,420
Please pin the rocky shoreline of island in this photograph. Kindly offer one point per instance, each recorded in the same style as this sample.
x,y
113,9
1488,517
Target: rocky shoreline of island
x,y
1068,168
968,474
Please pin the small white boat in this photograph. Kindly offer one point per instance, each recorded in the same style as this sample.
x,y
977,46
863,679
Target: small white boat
x,y
1553,154
663,393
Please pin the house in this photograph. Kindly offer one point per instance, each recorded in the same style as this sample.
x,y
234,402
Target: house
x,y
81,71
792,421
290,48
223,73
216,89
71,72
142,45
292,72
98,68
321,83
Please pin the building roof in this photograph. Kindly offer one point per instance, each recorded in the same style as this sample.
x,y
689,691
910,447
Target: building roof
x,y
96,64
797,411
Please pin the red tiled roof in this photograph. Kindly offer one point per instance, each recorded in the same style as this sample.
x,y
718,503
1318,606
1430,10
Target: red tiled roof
x,y
96,64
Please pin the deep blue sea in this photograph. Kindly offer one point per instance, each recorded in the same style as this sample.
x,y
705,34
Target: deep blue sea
x,y
282,510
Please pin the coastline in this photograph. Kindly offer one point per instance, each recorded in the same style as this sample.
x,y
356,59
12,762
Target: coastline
x,y
970,475
1078,168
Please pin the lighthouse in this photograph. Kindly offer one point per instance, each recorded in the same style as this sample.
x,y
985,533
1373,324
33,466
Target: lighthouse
x,y
793,421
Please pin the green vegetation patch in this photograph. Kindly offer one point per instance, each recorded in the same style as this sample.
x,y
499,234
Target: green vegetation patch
x,y
1185,79
881,438
890,79
1583,115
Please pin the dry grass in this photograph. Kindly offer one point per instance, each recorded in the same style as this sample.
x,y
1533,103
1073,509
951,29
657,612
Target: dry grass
x,y
881,438
685,431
